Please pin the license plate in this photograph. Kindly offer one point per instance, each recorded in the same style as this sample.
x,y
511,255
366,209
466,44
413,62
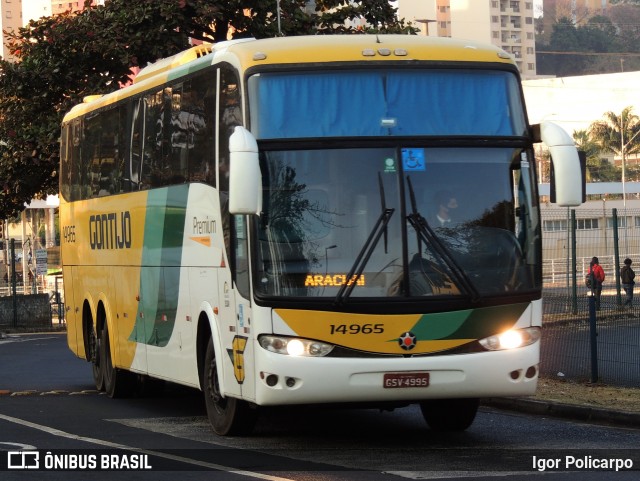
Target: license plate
x,y
392,380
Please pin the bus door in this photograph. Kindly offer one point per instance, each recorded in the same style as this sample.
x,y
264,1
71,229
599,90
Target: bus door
x,y
236,326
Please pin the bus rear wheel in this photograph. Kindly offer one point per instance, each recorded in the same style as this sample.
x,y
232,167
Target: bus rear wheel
x,y
94,357
228,416
449,414
118,383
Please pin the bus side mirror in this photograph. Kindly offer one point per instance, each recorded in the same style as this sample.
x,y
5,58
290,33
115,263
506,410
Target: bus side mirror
x,y
567,170
245,179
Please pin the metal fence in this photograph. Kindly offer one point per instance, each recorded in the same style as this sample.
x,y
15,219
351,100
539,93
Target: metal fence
x,y
51,285
576,345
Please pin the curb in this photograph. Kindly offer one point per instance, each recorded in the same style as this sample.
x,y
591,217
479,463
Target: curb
x,y
566,411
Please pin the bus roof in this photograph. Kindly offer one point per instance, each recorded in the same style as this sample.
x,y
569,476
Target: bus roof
x,y
300,50
343,48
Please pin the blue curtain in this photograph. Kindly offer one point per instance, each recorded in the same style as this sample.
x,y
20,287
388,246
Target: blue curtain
x,y
412,102
449,103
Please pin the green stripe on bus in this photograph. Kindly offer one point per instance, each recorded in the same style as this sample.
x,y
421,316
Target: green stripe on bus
x,y
160,271
469,324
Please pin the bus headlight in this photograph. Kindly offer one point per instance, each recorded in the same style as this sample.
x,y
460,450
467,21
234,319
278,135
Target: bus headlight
x,y
511,339
293,346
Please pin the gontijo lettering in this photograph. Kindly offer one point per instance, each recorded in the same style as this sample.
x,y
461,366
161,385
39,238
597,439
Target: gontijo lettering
x,y
110,231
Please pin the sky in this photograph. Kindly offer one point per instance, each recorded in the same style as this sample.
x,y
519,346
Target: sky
x,y
34,9
537,8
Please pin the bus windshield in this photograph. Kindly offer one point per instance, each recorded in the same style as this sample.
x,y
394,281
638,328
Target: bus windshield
x,y
402,102
397,222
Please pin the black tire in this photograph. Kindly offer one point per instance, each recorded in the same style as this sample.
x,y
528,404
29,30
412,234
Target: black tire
x,y
450,414
228,416
94,357
118,383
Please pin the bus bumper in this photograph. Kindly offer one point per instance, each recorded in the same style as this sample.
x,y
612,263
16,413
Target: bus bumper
x,y
285,379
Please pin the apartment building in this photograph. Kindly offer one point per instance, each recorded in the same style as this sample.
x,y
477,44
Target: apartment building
x,y
17,13
508,24
62,6
10,20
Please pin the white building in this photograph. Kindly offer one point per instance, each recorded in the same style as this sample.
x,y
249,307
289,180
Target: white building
x,y
576,102
35,9
508,24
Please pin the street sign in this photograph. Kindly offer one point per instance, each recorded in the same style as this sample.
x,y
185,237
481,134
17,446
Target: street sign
x,y
41,262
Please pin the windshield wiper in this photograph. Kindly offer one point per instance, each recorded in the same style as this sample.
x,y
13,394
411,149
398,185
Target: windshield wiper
x,y
366,251
429,237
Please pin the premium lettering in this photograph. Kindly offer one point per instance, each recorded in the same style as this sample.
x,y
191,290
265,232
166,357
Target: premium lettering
x,y
206,226
110,231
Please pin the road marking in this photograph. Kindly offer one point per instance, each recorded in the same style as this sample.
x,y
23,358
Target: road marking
x,y
454,474
54,392
9,339
19,446
109,444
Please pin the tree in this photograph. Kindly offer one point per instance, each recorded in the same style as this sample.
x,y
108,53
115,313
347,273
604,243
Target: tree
x,y
565,38
618,134
571,27
61,59
626,18
598,169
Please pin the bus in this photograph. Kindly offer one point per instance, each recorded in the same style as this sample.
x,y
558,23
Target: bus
x,y
260,220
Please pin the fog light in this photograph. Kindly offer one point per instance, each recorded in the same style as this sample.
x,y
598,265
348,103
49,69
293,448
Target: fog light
x,y
271,380
290,382
532,372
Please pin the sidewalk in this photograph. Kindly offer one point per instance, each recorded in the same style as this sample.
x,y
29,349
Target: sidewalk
x,y
566,411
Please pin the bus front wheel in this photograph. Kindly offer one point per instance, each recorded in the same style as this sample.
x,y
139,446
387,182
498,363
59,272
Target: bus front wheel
x,y
228,416
449,414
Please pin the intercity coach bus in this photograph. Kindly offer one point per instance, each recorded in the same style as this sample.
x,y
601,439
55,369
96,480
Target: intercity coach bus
x,y
264,220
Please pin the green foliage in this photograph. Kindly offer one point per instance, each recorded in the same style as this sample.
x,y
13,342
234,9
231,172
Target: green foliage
x,y
604,44
598,170
61,59
613,134
617,133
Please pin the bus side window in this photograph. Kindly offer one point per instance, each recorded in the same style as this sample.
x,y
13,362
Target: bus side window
x,y
241,251
175,167
230,116
135,145
152,163
90,157
200,103
65,163
75,166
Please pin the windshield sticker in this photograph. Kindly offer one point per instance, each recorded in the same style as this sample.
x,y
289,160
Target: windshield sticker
x,y
390,165
413,160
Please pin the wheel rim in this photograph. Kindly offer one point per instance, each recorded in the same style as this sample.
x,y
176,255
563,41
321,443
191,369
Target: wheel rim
x,y
218,401
94,346
108,365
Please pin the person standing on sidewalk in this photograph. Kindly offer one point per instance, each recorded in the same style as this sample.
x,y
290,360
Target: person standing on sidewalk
x,y
626,277
597,275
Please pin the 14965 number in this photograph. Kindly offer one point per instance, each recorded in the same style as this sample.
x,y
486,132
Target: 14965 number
x,y
69,233
357,328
